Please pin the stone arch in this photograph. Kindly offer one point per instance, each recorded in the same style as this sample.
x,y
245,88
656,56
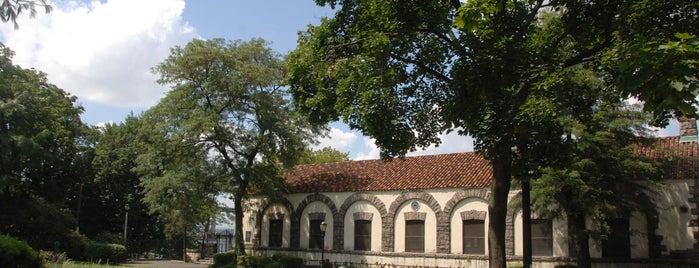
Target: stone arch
x,y
444,237
361,196
388,229
296,220
264,205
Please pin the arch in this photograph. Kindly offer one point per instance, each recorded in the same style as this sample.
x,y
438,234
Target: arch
x,y
296,220
388,239
444,237
356,197
264,205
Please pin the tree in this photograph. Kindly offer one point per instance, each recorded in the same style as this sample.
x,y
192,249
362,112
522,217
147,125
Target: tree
x,y
180,183
227,99
324,155
403,72
599,175
43,156
117,185
10,9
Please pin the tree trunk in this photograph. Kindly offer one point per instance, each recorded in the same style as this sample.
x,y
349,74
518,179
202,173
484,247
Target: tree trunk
x,y
184,243
238,209
497,208
581,239
526,224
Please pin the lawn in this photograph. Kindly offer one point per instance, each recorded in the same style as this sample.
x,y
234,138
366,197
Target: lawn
x,y
71,264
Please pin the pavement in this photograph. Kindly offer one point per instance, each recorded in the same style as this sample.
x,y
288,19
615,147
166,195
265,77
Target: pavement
x,y
165,264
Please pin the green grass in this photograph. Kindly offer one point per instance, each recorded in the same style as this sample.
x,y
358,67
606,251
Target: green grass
x,y
71,264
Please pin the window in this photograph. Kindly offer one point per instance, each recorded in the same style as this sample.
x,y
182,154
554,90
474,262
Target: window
x,y
542,237
474,237
415,236
362,235
315,238
276,228
618,243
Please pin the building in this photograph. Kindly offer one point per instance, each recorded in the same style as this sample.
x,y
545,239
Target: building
x,y
432,211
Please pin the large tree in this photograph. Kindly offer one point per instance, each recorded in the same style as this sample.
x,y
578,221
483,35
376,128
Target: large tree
x,y
228,98
404,71
117,185
180,183
44,156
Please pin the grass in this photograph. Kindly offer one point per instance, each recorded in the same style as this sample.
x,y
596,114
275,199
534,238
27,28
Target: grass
x,y
72,264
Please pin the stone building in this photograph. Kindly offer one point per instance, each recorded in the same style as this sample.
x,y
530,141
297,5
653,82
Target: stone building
x,y
432,211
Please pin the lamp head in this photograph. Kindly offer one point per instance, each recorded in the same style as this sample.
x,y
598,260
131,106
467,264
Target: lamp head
x,y
323,226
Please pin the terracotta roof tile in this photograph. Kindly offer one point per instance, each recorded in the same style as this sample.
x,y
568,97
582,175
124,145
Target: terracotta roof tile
x,y
683,158
457,170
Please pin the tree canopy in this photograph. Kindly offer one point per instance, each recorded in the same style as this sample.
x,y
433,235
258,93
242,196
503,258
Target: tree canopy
x,y
324,155
403,72
44,156
227,99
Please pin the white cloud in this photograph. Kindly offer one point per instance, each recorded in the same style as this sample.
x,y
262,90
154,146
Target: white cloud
x,y
102,52
370,150
337,139
451,143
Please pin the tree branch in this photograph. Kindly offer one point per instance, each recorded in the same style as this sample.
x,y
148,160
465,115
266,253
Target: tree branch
x,y
424,67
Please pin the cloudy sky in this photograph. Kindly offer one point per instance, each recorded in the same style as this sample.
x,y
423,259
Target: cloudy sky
x,y
103,51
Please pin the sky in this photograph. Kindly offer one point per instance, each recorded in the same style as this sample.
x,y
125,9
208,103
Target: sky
x,y
103,51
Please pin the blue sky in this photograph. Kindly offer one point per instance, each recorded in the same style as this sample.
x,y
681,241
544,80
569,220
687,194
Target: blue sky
x,y
102,51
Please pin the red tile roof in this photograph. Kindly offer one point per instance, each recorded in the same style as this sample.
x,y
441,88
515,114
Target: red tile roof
x,y
683,158
458,170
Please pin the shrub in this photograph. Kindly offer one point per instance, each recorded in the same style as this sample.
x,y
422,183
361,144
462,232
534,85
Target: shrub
x,y
224,259
110,253
17,253
288,261
248,261
74,245
566,266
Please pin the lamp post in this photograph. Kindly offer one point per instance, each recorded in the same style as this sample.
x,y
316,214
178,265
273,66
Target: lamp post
x,y
126,221
323,227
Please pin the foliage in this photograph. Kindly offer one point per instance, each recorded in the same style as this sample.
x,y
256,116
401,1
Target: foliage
x,y
404,72
287,261
116,185
17,253
324,155
52,257
44,157
104,252
598,174
223,259
10,9
276,261
180,185
227,103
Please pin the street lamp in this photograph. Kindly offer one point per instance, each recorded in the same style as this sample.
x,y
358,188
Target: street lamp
x,y
323,227
126,221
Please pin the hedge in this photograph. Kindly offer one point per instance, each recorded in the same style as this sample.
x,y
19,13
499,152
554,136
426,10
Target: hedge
x,y
17,253
105,253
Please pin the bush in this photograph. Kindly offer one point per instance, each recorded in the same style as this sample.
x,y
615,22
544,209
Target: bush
x,y
103,252
17,253
276,261
566,266
288,261
74,245
223,259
